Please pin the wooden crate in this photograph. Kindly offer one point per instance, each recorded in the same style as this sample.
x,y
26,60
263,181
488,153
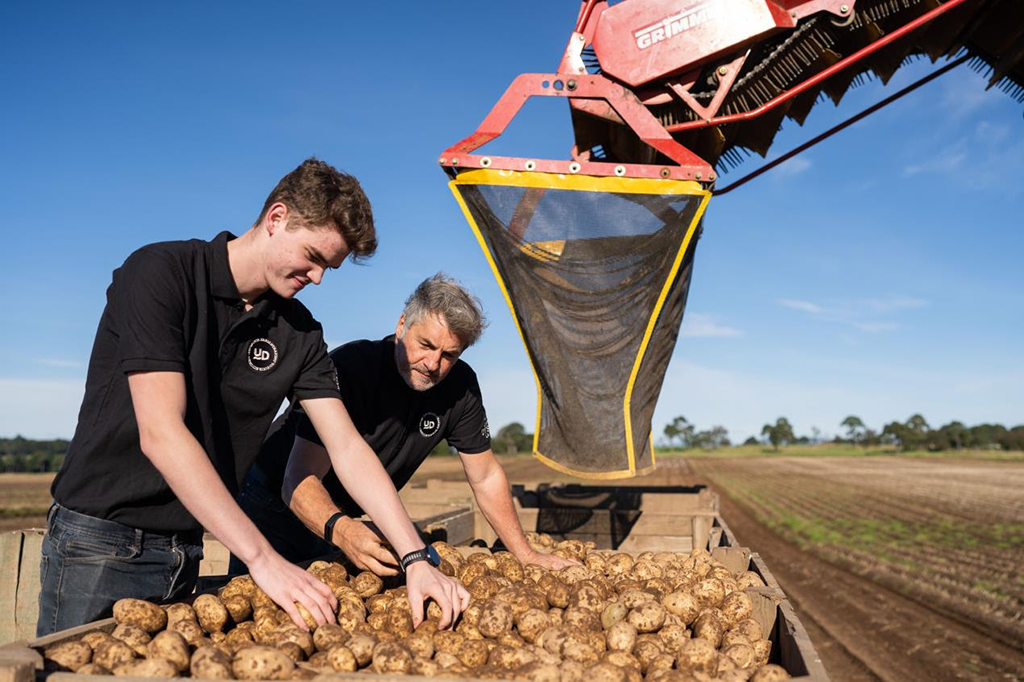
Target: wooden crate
x,y
626,519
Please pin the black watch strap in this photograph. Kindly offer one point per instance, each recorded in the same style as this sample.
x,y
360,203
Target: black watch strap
x,y
428,554
329,526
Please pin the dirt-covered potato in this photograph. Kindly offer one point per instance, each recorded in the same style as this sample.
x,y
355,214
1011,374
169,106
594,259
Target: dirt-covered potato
x,y
366,584
473,653
538,671
262,663
581,619
179,611
142,614
673,636
648,617
328,636
495,618
95,638
736,606
605,672
612,614
342,660
133,636
742,655
762,647
148,667
210,663
581,652
171,646
189,629
709,592
113,653
531,623
710,626
749,628
749,579
424,667
211,613
697,655
361,646
68,655
621,636
769,673
290,633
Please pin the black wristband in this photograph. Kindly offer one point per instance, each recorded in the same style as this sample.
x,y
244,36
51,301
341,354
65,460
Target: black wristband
x,y
329,526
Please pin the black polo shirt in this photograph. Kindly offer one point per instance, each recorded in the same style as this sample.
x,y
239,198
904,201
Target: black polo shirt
x,y
174,307
400,424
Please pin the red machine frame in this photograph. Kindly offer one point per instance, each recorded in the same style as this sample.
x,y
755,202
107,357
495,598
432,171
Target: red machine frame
x,y
600,96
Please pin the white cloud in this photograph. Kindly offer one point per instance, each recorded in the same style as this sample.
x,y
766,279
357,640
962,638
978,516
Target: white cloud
x,y
948,160
38,408
793,167
858,313
805,306
56,362
699,325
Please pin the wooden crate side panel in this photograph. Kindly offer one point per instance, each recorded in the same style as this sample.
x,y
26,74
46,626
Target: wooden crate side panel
x,y
27,608
10,569
796,651
215,557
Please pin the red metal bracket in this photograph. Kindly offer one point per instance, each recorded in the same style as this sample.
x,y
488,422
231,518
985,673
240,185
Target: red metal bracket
x,y
577,87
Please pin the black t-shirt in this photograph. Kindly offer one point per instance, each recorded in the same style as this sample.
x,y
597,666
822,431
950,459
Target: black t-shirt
x,y
174,307
400,424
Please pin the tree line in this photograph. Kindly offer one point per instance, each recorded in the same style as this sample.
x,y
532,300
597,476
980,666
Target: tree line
x,y
20,454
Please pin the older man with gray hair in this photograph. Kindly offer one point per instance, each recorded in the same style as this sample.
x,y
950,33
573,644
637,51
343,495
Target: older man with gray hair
x,y
405,393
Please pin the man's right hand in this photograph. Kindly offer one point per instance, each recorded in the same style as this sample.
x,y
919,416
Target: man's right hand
x,y
285,583
364,547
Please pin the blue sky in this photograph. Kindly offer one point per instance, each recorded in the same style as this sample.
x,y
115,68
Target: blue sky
x,y
878,274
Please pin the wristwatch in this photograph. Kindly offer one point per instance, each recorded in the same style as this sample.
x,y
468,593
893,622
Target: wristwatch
x,y
428,554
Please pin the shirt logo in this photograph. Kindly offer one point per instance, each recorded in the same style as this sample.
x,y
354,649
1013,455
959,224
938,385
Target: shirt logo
x,y
262,355
430,424
486,430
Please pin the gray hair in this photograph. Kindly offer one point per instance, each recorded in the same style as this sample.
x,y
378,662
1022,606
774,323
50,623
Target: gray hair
x,y
443,296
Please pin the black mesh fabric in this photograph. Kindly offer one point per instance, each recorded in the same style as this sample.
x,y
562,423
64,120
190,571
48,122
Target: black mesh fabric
x,y
584,270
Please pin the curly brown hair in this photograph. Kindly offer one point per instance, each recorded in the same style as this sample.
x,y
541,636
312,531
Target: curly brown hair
x,y
322,195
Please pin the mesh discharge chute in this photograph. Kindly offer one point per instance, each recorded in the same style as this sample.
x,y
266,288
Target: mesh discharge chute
x,y
596,272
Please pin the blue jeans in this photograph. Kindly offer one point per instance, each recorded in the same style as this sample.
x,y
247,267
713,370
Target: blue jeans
x,y
88,563
283,530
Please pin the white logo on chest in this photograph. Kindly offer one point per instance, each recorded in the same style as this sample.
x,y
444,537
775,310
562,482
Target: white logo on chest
x,y
430,424
262,355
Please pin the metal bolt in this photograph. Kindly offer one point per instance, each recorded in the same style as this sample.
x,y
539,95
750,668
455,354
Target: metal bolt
x,y
571,84
620,170
455,162
665,172
530,165
843,9
485,162
698,175
442,160
722,70
574,167
711,176
793,14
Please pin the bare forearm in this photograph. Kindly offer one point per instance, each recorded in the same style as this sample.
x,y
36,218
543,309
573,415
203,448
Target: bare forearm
x,y
311,503
494,497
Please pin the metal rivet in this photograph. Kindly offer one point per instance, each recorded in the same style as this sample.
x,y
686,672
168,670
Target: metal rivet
x,y
530,165
793,14
722,70
711,176
485,162
620,170
574,167
455,162
698,175
442,160
844,9
571,84
665,172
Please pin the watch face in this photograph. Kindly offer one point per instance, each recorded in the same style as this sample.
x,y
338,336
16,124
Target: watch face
x,y
433,557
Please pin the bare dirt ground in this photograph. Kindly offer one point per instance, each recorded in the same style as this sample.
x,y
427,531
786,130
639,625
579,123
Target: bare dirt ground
x,y
24,499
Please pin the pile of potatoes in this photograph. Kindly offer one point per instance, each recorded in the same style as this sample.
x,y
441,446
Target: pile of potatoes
x,y
616,618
